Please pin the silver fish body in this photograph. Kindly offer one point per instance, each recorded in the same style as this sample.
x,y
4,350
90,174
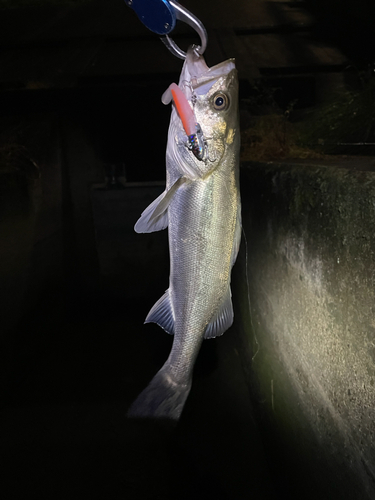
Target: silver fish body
x,y
201,207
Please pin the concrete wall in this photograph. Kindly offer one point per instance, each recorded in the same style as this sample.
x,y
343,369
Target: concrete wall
x,y
306,322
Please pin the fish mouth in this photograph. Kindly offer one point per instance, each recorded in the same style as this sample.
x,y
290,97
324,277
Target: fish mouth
x,y
196,79
199,76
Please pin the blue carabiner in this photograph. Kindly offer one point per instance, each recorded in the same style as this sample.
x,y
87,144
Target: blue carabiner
x,y
160,17
157,15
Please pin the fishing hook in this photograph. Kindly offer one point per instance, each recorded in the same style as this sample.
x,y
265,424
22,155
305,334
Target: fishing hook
x,y
198,145
189,85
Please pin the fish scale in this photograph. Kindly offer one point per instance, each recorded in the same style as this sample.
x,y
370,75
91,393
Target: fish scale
x,y
202,210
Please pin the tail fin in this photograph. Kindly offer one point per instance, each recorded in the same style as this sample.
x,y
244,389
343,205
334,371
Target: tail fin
x,y
163,398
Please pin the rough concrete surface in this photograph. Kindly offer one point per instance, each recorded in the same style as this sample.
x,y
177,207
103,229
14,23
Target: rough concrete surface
x,y
309,340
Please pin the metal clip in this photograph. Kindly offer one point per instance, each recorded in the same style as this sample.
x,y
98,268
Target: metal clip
x,y
160,17
184,15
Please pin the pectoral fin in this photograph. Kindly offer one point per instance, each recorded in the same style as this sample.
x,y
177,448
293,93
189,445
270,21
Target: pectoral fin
x,y
155,217
222,320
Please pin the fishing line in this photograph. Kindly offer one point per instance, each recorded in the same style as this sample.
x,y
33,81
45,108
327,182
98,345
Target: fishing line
x,y
248,298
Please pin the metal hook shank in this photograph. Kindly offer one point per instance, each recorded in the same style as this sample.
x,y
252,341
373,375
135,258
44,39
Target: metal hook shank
x,y
182,14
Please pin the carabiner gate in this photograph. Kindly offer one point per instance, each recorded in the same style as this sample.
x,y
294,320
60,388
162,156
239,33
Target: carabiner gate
x,y
184,15
160,17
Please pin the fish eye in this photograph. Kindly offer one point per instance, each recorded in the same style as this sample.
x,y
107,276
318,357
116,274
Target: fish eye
x,y
221,101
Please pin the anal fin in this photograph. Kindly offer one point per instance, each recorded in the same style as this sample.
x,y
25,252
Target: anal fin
x,y
222,320
162,314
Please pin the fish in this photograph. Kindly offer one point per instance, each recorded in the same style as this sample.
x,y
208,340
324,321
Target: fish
x,y
201,207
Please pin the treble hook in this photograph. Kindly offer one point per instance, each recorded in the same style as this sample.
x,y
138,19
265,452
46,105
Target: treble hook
x,y
160,17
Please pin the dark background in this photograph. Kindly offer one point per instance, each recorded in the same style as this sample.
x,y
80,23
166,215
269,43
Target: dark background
x,y
80,88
